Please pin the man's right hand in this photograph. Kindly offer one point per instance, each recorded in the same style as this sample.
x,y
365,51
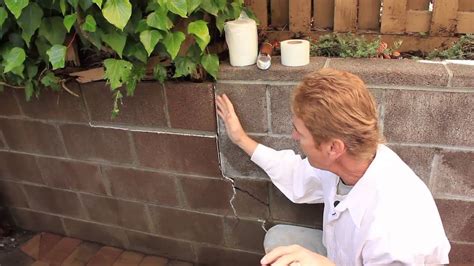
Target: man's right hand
x,y
234,129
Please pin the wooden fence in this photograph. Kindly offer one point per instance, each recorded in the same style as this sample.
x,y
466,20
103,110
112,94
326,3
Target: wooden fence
x,y
421,24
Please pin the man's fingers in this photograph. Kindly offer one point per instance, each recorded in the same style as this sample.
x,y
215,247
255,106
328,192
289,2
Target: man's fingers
x,y
221,115
276,253
228,103
285,260
221,106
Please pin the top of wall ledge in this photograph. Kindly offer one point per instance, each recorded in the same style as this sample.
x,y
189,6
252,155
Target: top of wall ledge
x,y
373,71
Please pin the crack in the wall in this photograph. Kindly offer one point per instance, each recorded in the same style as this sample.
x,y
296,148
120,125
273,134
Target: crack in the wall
x,y
251,195
219,159
231,180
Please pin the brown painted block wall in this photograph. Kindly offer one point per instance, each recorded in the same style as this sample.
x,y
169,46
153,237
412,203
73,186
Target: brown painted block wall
x,y
164,179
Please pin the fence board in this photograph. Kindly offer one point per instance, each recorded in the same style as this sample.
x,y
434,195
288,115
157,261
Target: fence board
x,y
369,14
466,5
280,10
418,4
323,14
443,21
259,7
345,15
394,16
300,15
418,21
465,22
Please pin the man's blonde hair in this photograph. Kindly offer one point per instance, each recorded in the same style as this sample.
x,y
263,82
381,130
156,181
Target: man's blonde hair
x,y
337,105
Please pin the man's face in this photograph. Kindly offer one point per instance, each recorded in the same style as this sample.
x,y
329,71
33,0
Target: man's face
x,y
317,156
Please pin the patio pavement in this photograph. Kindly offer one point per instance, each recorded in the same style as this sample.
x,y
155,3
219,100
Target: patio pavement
x,y
46,249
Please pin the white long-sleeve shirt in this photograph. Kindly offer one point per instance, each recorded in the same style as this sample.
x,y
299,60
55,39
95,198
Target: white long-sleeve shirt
x,y
388,217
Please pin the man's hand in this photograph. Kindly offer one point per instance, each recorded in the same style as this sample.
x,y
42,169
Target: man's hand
x,y
234,129
294,255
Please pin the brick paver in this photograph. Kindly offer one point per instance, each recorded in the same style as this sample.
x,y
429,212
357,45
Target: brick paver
x,y
105,257
61,251
47,242
154,261
31,248
129,258
82,254
46,249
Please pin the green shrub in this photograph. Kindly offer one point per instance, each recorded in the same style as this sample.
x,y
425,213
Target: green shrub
x,y
344,45
462,49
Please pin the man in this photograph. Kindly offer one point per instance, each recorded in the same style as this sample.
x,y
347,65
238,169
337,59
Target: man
x,y
377,211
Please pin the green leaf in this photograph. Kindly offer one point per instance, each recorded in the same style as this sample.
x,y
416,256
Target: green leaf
x,y
210,7
162,2
98,3
62,6
116,40
13,59
19,71
192,5
160,20
201,32
29,21
142,25
42,46
138,72
194,53
136,50
89,25
210,62
172,42
184,66
73,3
57,55
55,36
3,15
29,90
51,81
150,38
236,10
220,20
69,20
96,38
117,72
16,6
160,73
31,70
85,4
179,7
117,12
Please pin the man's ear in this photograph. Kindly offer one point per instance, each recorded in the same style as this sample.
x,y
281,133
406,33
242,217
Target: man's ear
x,y
337,148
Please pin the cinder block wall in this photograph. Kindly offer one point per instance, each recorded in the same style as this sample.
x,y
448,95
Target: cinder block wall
x,y
426,113
161,179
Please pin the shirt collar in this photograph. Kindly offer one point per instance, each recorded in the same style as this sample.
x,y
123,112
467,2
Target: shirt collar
x,y
364,190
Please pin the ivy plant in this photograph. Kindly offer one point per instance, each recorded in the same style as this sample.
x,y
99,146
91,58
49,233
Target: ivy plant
x,y
40,40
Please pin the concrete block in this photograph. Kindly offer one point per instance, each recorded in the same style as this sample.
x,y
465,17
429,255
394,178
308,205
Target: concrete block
x,y
191,105
429,117
250,104
453,174
145,108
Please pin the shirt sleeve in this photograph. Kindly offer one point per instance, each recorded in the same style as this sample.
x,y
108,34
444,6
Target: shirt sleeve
x,y
383,252
294,176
